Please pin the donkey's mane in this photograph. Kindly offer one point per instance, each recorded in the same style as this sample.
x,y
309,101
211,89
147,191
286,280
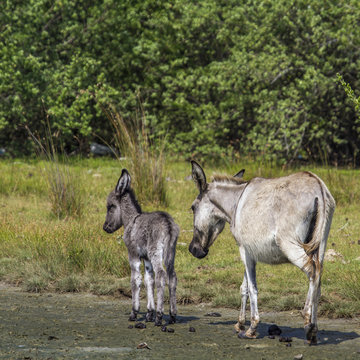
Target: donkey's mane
x,y
227,179
134,200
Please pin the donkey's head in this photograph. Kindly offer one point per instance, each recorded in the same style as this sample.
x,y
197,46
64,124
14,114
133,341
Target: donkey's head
x,y
114,218
207,222
209,219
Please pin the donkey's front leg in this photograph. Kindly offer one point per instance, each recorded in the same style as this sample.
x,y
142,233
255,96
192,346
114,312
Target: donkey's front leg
x,y
160,277
149,282
135,287
240,326
250,270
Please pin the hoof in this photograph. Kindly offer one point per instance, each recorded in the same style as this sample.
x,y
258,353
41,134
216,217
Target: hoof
x,y
250,334
172,319
239,327
246,335
149,316
310,334
133,316
158,319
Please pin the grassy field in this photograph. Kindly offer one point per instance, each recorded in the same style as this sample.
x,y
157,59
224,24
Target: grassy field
x,y
40,252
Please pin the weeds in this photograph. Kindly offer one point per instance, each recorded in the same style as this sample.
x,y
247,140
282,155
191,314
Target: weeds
x,y
146,162
64,188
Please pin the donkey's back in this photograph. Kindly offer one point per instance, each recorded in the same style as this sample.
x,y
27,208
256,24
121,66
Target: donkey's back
x,y
274,214
154,233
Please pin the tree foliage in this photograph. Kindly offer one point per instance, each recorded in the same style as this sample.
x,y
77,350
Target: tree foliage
x,y
218,77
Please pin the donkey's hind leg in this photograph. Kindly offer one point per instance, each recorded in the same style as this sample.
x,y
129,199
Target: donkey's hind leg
x,y
170,270
172,282
135,286
160,287
240,325
299,258
149,283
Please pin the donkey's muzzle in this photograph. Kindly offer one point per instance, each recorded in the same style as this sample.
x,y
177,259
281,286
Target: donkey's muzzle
x,y
107,229
197,251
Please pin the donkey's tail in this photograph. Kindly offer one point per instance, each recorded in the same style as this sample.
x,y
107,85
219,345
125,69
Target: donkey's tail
x,y
315,243
170,246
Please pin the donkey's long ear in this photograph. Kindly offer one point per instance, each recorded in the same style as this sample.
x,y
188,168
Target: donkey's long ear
x,y
123,183
198,176
240,174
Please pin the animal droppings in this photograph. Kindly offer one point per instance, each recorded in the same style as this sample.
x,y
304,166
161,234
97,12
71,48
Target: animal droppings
x,y
140,325
130,327
163,329
51,337
213,314
285,339
170,330
274,330
191,329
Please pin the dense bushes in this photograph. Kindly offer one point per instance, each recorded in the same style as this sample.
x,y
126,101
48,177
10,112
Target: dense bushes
x,y
217,76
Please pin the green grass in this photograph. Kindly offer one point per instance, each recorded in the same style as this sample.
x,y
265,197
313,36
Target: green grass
x,y
42,253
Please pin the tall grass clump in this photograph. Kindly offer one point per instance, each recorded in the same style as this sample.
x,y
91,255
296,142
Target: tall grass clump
x,y
146,161
64,187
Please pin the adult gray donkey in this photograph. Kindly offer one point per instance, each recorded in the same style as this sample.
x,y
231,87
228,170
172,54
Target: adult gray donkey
x,y
274,221
150,237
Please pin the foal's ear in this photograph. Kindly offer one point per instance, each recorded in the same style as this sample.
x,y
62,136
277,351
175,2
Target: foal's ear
x,y
123,183
198,176
240,174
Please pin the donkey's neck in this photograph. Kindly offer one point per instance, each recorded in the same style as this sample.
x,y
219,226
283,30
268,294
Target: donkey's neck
x,y
130,208
225,197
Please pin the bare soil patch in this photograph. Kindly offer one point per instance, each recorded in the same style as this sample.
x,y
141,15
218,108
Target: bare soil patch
x,y
83,326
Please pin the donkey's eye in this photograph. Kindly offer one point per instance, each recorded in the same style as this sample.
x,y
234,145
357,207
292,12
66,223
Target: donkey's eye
x,y
192,208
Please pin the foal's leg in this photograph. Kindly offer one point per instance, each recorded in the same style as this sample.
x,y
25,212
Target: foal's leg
x,y
160,286
149,283
169,260
172,282
135,287
250,270
244,296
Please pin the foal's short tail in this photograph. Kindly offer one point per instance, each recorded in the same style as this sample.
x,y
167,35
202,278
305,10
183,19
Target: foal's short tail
x,y
315,243
170,246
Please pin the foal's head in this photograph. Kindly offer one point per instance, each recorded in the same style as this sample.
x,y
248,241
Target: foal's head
x,y
114,218
208,218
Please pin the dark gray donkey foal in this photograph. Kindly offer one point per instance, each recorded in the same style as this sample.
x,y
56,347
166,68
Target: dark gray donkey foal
x,y
150,237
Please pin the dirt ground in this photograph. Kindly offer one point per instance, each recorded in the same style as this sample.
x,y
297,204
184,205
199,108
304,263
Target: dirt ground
x,y
82,326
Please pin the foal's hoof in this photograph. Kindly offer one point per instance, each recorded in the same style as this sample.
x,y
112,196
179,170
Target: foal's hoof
x,y
132,316
310,333
172,319
158,319
149,316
